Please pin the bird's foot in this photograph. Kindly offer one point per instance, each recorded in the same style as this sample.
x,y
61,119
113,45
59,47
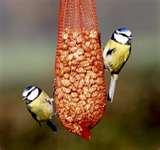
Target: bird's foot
x,y
49,100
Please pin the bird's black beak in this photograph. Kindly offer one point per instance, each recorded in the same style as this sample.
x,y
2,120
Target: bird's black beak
x,y
24,98
130,37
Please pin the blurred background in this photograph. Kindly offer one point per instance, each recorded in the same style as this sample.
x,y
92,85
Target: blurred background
x,y
28,30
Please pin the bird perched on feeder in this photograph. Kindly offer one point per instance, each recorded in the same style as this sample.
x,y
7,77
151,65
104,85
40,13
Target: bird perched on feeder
x,y
116,54
40,105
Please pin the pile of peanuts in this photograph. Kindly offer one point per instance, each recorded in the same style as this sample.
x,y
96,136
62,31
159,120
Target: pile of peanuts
x,y
80,84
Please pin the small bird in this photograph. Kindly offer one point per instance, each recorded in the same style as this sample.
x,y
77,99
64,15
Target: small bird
x,y
40,105
116,54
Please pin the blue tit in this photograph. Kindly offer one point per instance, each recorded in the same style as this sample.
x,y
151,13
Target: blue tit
x,y
116,54
40,105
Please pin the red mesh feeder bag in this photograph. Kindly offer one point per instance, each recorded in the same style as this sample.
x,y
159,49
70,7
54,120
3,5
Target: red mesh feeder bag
x,y
80,95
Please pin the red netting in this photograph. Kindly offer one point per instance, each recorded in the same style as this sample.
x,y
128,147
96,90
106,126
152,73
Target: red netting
x,y
77,15
80,85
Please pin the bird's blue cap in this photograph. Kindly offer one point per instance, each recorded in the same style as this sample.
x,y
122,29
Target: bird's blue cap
x,y
124,31
28,87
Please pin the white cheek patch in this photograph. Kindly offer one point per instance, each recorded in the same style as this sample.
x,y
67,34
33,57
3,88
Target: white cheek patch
x,y
25,92
33,94
120,38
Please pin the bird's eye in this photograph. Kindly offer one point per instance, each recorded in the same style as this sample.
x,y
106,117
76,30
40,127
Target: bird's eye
x,y
27,90
29,87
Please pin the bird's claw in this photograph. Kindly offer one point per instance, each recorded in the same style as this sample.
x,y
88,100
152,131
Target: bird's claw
x,y
49,100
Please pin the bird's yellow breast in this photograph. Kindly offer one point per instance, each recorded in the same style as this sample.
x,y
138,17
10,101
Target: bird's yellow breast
x,y
120,55
41,107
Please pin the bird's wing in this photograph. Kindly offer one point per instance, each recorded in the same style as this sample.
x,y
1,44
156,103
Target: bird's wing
x,y
34,116
106,57
110,51
126,59
104,52
52,125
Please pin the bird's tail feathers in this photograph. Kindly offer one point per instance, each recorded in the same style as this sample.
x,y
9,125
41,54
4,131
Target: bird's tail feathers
x,y
112,87
52,126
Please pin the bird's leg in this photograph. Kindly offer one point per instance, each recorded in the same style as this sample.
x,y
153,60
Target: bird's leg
x,y
49,100
55,114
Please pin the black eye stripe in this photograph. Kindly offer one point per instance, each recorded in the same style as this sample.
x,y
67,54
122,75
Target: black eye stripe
x,y
123,34
29,87
30,92
114,39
